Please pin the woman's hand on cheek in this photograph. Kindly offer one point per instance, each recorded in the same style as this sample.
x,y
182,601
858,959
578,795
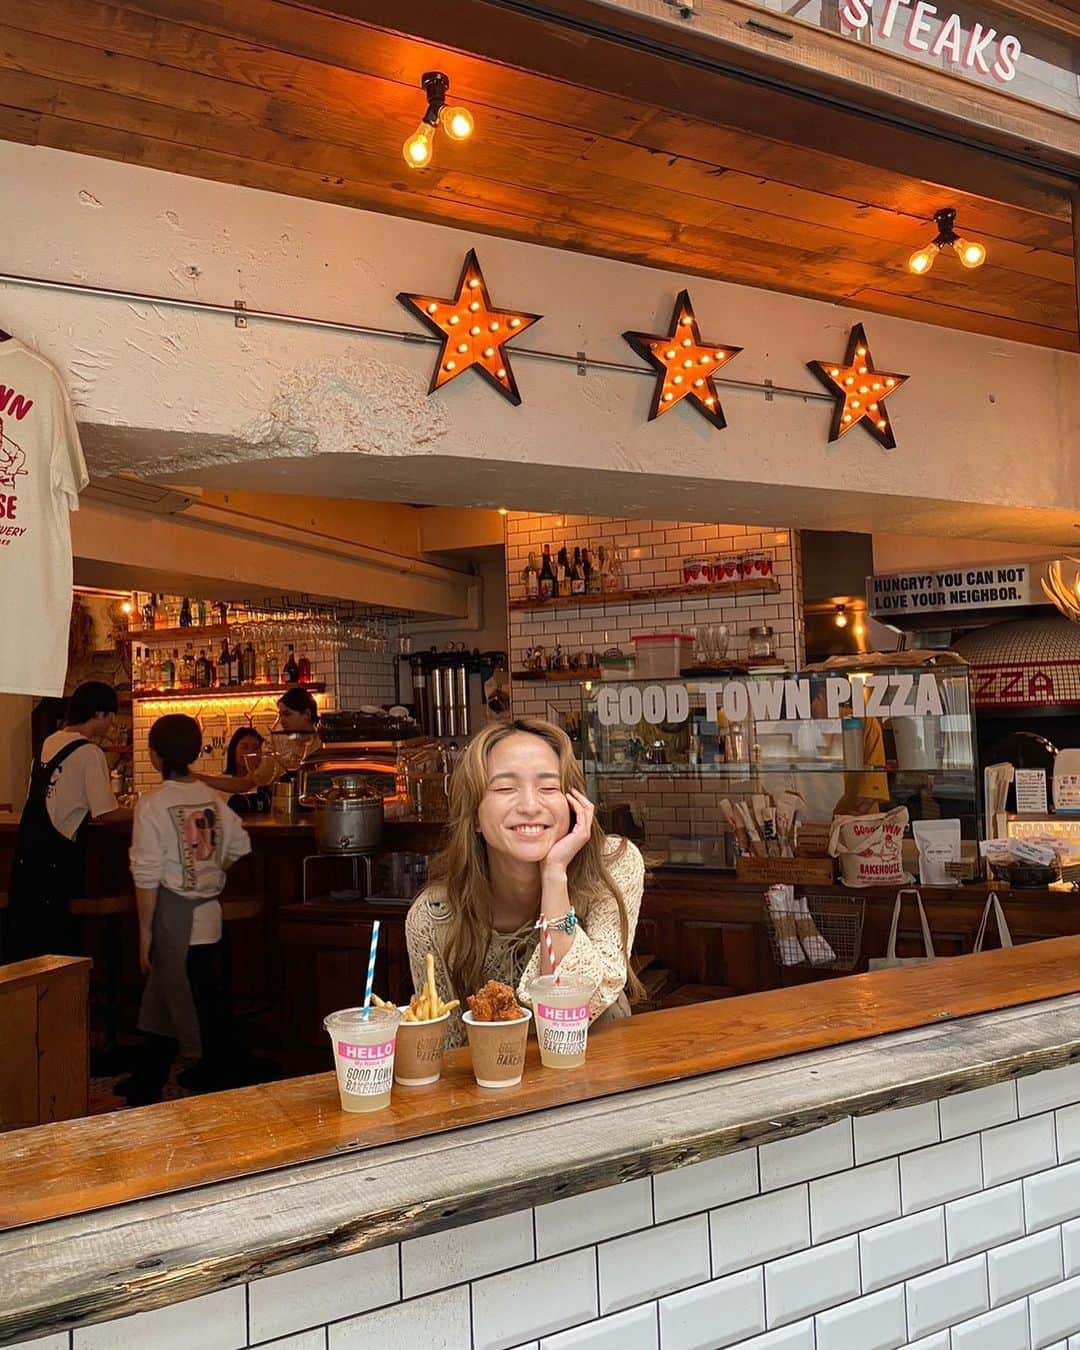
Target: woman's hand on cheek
x,y
564,850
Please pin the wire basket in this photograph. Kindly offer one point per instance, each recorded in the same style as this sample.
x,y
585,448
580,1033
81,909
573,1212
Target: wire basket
x,y
819,932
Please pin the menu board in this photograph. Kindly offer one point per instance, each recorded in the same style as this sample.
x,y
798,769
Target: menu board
x,y
1031,792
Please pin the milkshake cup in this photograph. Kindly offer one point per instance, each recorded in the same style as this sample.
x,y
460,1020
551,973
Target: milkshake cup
x,y
562,1019
420,1047
498,1049
364,1043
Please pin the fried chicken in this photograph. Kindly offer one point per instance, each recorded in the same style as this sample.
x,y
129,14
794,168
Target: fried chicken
x,y
494,1003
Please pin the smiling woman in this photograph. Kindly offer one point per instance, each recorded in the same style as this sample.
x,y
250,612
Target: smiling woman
x,y
523,841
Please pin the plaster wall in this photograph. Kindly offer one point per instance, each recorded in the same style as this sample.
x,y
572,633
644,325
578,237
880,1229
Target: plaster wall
x,y
986,427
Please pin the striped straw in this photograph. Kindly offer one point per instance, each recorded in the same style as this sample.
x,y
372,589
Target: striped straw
x,y
550,947
371,964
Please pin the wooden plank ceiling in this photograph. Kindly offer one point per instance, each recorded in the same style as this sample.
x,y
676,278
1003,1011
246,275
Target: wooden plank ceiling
x,y
298,100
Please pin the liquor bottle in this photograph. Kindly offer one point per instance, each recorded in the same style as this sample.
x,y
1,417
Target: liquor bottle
x,y
549,586
185,613
269,666
562,572
577,576
222,608
136,669
303,670
200,611
249,664
290,672
148,612
168,671
587,571
613,578
224,664
599,572
531,577
202,671
187,668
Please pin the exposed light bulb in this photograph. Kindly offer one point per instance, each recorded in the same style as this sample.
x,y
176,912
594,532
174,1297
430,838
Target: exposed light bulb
x,y
841,616
126,607
970,253
458,123
417,149
922,260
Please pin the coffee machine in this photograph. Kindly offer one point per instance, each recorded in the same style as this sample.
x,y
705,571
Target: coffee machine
x,y
446,689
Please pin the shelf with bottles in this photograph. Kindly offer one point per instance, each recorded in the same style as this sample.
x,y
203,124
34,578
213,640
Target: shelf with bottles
x,y
576,674
223,691
754,586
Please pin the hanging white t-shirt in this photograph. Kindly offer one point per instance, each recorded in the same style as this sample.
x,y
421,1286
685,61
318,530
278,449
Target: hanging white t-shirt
x,y
184,837
80,787
42,472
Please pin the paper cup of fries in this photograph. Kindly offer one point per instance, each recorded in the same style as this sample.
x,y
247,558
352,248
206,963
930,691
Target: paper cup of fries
x,y
421,1038
498,1049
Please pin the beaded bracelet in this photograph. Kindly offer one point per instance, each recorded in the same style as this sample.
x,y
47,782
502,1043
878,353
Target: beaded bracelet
x,y
566,924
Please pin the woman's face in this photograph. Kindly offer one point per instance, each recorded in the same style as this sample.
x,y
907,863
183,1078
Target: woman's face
x,y
291,720
248,753
524,810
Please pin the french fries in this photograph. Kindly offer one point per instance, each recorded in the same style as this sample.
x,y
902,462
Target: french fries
x,y
426,1006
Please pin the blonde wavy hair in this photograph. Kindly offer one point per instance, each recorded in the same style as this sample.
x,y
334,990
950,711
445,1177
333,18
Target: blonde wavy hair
x,y
462,866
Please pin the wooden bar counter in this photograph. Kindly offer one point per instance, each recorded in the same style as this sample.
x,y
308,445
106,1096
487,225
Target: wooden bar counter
x,y
902,1086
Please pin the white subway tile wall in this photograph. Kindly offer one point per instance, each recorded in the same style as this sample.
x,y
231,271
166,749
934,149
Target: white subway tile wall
x,y
697,1258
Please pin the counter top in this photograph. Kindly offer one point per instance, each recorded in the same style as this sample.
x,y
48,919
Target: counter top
x,y
77,1166
153,1252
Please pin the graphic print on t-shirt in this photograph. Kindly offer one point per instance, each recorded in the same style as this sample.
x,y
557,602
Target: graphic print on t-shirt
x,y
12,461
198,833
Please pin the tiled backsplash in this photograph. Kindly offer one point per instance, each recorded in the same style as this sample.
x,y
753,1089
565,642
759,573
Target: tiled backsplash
x,y
952,1225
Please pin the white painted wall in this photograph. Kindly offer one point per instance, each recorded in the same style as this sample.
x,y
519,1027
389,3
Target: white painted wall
x,y
983,422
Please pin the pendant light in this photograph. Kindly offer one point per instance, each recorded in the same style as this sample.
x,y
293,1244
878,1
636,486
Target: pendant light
x,y
970,253
457,122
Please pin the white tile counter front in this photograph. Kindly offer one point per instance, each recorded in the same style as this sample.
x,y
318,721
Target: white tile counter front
x,y
951,1223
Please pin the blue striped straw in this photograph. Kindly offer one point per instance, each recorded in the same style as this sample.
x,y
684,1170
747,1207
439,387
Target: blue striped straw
x,y
371,964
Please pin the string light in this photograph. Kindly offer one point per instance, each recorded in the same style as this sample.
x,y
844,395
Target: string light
x,y
458,123
970,253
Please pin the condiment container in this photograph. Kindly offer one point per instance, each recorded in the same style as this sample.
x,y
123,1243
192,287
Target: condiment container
x,y
697,571
761,646
616,667
757,564
662,656
729,567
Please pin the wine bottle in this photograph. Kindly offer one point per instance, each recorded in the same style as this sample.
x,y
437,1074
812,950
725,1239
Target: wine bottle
x,y
168,671
549,586
249,664
203,678
562,572
136,669
531,577
303,670
290,672
587,571
613,579
185,613
269,666
187,668
224,664
577,576
599,572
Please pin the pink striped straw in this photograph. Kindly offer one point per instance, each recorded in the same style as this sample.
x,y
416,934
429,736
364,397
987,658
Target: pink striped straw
x,y
550,947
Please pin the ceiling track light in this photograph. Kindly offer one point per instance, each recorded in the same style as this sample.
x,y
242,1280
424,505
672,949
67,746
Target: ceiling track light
x,y
970,253
457,122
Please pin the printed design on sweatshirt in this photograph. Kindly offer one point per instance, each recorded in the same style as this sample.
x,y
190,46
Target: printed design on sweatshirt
x,y
200,839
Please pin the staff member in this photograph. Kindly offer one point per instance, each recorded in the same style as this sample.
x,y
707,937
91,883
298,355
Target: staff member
x,y
68,783
297,710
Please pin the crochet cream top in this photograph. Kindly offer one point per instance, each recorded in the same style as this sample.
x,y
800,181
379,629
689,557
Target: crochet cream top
x,y
514,958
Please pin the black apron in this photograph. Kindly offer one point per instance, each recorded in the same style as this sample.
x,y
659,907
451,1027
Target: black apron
x,y
47,873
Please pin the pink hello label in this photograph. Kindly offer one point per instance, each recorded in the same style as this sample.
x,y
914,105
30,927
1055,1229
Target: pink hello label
x,y
367,1053
563,1014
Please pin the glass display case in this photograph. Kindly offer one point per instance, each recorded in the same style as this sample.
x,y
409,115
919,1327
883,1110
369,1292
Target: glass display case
x,y
665,759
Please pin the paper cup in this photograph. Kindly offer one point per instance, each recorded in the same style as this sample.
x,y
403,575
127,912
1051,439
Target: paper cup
x,y
364,1041
420,1048
498,1049
562,1020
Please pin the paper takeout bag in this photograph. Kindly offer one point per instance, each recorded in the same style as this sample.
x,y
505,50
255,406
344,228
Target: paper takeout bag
x,y
890,959
1004,936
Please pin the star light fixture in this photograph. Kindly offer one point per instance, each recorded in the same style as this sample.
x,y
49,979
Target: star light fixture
x,y
686,365
457,122
860,391
473,332
970,253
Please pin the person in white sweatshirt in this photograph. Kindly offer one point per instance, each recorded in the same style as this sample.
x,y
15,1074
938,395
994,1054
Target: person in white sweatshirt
x,y
184,839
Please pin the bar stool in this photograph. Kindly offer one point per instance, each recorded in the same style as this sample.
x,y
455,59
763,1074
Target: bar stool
x,y
110,911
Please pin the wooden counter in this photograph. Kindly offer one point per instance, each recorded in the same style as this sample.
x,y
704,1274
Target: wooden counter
x,y
69,1168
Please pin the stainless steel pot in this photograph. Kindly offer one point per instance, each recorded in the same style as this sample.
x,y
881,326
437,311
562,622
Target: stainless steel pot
x,y
349,818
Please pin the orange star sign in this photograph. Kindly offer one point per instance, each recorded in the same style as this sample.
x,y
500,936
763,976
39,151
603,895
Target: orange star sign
x,y
685,363
860,391
472,331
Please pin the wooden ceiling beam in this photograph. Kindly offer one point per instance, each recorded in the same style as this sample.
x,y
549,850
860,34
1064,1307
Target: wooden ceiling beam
x,y
633,62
